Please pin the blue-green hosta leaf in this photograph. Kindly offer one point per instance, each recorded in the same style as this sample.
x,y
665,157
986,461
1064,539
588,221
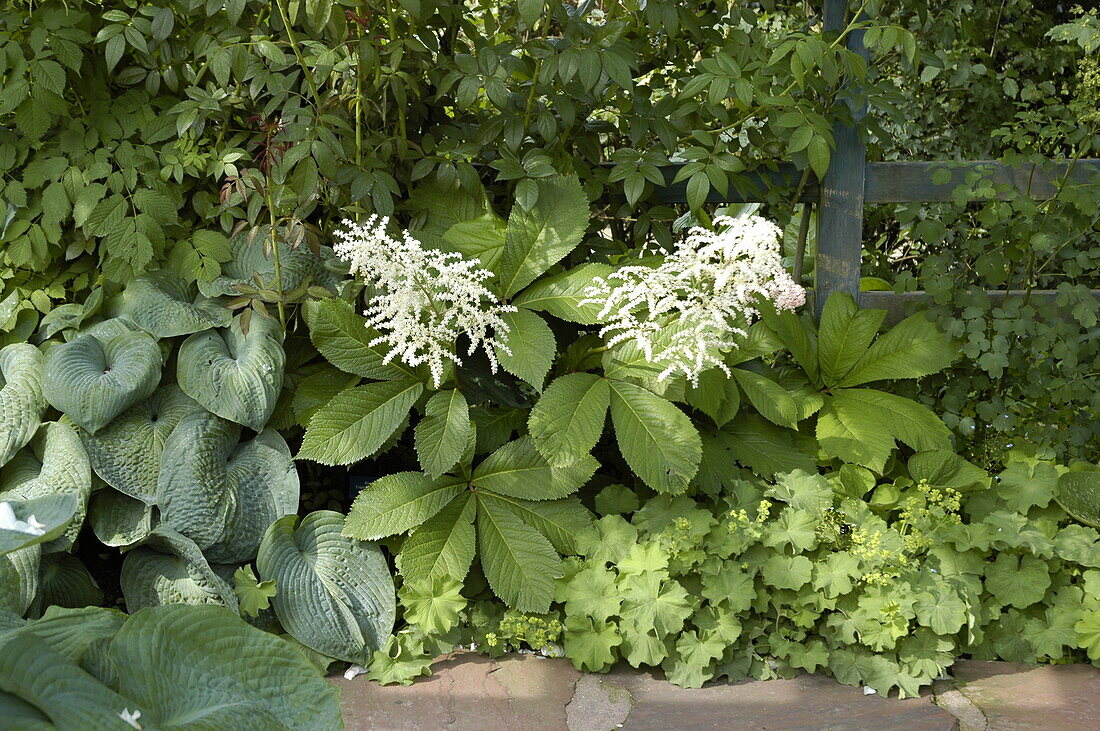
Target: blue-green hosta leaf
x,y
52,513
399,502
844,334
537,239
561,294
443,546
21,401
357,422
126,454
442,435
913,348
518,470
164,305
92,382
54,464
518,561
235,375
335,594
532,347
297,266
73,632
170,569
569,417
657,440
22,715
341,334
19,579
119,520
64,581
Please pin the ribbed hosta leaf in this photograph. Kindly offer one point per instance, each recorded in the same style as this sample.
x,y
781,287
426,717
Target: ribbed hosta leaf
x,y
119,520
1078,492
126,453
64,581
164,305
335,594
170,569
21,399
92,382
234,375
519,562
19,579
249,260
55,512
73,631
54,464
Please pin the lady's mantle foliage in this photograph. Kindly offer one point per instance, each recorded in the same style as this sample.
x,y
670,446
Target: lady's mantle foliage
x,y
700,301
422,300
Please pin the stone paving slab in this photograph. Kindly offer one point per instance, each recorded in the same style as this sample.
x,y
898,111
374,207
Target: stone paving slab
x,y
468,691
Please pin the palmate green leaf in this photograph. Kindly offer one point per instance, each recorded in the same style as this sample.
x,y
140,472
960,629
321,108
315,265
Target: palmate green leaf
x,y
357,422
652,602
518,561
765,449
442,435
850,430
913,348
170,569
480,238
558,520
518,470
164,305
591,592
335,594
657,440
1078,492
532,347
254,595
909,422
589,644
234,374
844,334
21,401
344,339
561,294
433,606
126,453
443,546
537,239
399,502
569,417
716,395
92,382
769,398
54,512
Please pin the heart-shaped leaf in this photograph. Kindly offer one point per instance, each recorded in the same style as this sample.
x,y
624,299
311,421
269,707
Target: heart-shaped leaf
x,y
21,399
50,513
126,453
164,305
118,520
170,569
64,582
335,594
92,382
235,375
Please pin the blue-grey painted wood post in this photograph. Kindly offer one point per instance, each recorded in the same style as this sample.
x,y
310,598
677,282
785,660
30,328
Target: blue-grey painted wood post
x,y
840,211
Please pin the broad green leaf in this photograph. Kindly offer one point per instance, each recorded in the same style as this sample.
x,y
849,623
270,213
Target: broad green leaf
x,y
19,579
773,401
118,520
854,432
1078,492
21,401
335,594
906,420
657,440
561,294
252,261
944,469
357,422
164,305
765,449
518,561
569,417
532,347
92,382
913,348
443,546
234,374
64,581
442,435
170,569
558,520
844,334
52,512
518,470
126,453
716,395
344,339
314,391
479,238
399,502
798,335
73,632
537,239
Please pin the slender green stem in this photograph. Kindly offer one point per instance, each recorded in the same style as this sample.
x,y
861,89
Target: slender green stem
x,y
297,51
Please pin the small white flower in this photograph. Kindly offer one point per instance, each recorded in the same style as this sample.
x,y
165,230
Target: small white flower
x,y
131,717
354,670
421,300
869,691
30,526
685,313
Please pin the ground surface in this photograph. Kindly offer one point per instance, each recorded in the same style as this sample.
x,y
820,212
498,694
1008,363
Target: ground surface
x,y
472,692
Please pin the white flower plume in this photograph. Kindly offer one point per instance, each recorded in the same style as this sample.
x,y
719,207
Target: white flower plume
x,y
700,301
421,300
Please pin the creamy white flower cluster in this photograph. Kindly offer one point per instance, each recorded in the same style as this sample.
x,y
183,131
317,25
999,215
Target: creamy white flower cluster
x,y
421,300
699,303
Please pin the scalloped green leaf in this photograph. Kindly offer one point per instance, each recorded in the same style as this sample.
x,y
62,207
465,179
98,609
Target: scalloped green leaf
x,y
54,512
164,305
126,454
170,569
92,382
235,375
21,401
335,594
119,520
